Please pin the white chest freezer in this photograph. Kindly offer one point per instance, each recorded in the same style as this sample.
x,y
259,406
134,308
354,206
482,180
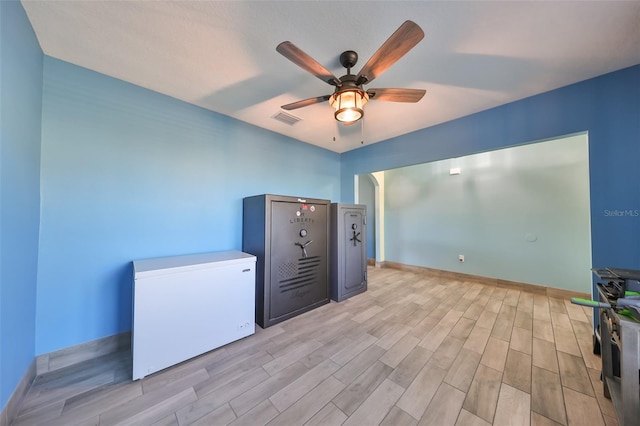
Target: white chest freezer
x,y
184,306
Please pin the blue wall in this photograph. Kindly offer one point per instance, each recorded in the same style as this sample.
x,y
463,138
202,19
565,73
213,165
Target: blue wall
x,y
607,107
20,109
127,174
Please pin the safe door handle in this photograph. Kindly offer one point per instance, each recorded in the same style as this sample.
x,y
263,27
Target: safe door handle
x,y
304,247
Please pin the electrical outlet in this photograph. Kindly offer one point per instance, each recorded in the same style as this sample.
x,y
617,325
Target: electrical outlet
x,y
461,257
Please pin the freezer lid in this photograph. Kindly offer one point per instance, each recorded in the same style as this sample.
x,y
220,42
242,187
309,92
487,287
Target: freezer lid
x,y
173,264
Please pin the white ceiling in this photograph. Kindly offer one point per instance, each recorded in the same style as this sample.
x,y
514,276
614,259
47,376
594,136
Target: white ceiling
x,y
220,55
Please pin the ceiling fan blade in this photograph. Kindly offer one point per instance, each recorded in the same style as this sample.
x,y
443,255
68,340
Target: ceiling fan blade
x,y
306,62
305,102
401,41
396,95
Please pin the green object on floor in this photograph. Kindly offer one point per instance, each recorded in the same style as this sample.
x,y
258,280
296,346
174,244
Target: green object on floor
x,y
589,302
627,313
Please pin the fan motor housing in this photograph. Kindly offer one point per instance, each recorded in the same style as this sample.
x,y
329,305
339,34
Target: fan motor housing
x,y
348,59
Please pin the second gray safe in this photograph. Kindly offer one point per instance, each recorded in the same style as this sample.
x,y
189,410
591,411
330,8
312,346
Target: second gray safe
x,y
348,250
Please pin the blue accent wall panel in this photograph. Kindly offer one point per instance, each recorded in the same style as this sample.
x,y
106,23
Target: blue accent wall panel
x,y
20,112
606,107
128,174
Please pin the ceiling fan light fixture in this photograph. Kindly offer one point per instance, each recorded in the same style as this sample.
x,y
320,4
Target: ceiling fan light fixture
x,y
349,98
349,104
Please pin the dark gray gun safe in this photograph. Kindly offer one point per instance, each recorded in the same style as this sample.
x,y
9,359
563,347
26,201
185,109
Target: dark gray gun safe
x,y
348,250
290,238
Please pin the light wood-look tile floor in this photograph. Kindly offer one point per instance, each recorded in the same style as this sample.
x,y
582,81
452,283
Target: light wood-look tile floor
x,y
412,350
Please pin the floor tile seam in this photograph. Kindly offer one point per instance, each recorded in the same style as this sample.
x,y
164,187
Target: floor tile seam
x,y
484,327
523,353
345,388
35,412
284,385
569,353
546,369
467,389
319,408
153,406
187,404
581,336
526,309
551,421
495,404
500,337
38,404
426,408
99,412
336,407
244,374
564,399
525,329
507,304
248,411
173,381
73,410
583,319
581,363
234,364
363,372
561,326
556,350
295,334
300,396
175,416
513,387
412,416
296,346
564,385
572,354
405,388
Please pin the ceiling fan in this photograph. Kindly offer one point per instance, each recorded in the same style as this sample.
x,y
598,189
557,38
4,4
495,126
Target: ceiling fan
x,y
349,97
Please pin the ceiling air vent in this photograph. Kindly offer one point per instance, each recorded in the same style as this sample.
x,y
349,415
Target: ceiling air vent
x,y
286,118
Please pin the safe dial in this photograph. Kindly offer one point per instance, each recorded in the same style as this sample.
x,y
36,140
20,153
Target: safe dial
x,y
303,233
